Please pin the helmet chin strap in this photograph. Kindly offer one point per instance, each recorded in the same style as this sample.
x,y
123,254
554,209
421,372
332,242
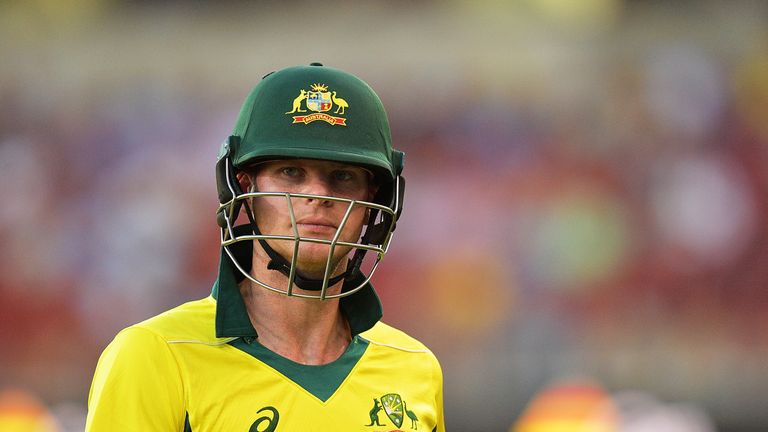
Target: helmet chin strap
x,y
279,263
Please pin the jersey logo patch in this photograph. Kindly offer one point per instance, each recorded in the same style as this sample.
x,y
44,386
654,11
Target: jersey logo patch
x,y
396,410
267,422
319,100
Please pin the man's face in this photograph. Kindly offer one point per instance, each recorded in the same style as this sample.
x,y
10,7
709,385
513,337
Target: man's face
x,y
315,218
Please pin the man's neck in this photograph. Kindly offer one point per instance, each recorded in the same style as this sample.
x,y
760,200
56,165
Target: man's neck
x,y
306,331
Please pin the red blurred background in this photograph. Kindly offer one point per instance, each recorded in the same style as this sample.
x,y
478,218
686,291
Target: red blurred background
x,y
587,187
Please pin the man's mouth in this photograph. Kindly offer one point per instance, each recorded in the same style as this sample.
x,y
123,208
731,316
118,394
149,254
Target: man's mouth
x,y
316,224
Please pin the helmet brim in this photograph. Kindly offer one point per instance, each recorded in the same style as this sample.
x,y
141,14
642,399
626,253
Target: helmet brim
x,y
267,152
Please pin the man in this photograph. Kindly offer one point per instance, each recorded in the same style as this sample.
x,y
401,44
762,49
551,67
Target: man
x,y
290,339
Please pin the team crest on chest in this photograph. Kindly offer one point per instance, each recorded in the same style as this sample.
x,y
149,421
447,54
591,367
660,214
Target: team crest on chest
x,y
318,102
396,410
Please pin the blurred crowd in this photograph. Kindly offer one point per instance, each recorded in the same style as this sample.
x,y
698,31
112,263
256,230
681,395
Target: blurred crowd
x,y
587,189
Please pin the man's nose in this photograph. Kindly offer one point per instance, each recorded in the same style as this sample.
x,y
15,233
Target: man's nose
x,y
318,185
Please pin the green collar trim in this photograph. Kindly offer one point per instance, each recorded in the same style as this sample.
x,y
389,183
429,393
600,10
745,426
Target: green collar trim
x,y
362,309
321,381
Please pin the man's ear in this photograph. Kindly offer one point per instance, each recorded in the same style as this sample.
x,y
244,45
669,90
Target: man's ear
x,y
244,180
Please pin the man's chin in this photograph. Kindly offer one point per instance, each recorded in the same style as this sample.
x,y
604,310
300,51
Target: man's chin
x,y
311,255
315,268
313,258
315,271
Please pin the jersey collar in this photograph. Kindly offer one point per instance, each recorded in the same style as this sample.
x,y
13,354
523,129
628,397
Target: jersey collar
x,y
362,309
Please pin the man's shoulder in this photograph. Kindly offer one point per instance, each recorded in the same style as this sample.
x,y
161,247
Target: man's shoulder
x,y
190,322
385,335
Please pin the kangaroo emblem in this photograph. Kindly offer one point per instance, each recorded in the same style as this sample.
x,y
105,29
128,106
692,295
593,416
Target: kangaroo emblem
x,y
297,102
374,413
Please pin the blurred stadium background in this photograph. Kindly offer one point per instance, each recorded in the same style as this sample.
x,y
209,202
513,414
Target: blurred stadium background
x,y
586,221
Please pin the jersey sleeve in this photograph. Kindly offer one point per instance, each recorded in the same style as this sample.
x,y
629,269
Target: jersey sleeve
x,y
137,386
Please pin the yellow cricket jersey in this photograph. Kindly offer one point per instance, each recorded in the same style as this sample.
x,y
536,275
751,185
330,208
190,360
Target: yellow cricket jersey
x,y
200,367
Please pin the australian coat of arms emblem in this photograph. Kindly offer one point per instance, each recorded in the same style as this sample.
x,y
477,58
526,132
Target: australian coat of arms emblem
x,y
396,410
320,103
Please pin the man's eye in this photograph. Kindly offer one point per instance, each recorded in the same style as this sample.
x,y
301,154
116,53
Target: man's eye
x,y
290,171
343,176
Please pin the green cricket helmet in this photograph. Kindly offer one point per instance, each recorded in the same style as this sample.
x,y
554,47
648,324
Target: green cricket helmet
x,y
310,112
